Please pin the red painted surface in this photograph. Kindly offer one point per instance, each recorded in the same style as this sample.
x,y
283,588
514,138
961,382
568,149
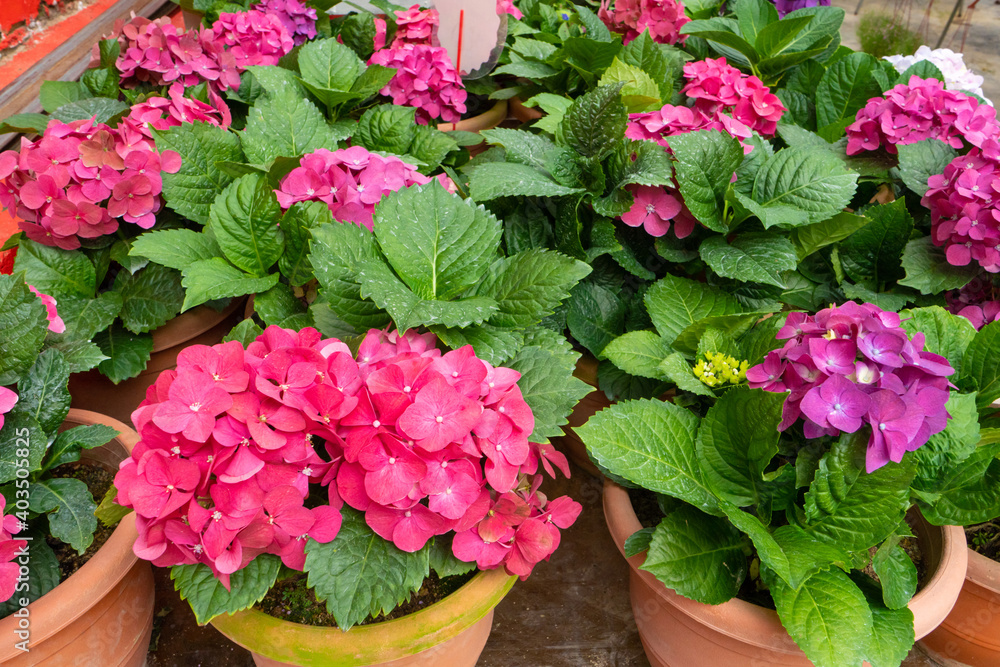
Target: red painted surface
x,y
8,227
13,12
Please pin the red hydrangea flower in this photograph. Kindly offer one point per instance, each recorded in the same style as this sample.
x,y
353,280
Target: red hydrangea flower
x,y
10,549
853,365
423,443
663,19
350,180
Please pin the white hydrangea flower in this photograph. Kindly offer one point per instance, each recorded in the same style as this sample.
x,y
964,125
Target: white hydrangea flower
x,y
956,75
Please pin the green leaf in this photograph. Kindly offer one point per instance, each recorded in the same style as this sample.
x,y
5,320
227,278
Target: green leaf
x,y
753,16
55,271
437,242
528,69
277,81
892,629
650,443
640,353
925,69
896,573
491,180
846,86
596,316
736,442
210,279
647,55
109,512
596,29
675,367
964,492
386,128
928,270
588,57
633,162
67,444
773,41
874,251
192,190
640,92
20,431
492,344
244,220
758,257
981,365
80,355
810,238
150,297
944,333
522,147
851,508
596,122
209,598
443,560
24,122
431,146
22,328
705,162
816,183
70,506
277,304
676,303
297,224
285,125
923,159
555,108
698,556
245,332
85,317
360,574
733,326
329,64
884,300
103,109
175,248
127,353
43,573
827,617
55,94
529,286
336,251
549,387
722,31
43,391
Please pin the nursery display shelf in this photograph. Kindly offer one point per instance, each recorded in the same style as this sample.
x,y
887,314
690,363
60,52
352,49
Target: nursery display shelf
x,y
573,611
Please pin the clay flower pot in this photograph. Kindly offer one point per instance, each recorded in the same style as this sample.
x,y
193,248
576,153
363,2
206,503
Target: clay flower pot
x,y
450,632
523,113
971,633
679,632
103,613
484,121
595,401
198,326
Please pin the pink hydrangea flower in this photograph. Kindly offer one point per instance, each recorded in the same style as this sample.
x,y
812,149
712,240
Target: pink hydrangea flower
x,y
918,110
77,179
425,79
978,302
254,37
10,549
717,87
416,25
56,324
349,180
653,208
423,443
853,365
507,7
8,399
663,19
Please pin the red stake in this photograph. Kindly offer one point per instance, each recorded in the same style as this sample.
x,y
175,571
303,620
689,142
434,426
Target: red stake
x,y
461,25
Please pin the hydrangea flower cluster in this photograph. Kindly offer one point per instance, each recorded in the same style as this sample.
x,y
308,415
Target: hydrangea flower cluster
x,y
717,369
77,179
158,53
963,201
957,76
8,399
425,79
349,180
663,18
918,110
10,548
978,302
852,365
416,25
788,6
162,113
227,453
716,87
670,120
654,207
298,18
507,7
56,324
254,37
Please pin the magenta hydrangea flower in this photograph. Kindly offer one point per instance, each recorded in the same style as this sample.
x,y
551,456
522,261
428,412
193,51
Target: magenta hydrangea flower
x,y
853,365
56,324
507,7
349,180
963,201
918,110
254,37
416,25
425,79
978,302
77,179
653,208
298,18
423,443
8,399
663,19
718,89
10,549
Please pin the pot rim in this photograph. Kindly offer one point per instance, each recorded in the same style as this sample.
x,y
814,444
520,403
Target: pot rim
x,y
191,324
75,596
759,626
983,571
484,121
286,641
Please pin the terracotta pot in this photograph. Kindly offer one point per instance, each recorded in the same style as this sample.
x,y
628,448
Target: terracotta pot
x,y
971,633
595,401
523,113
199,326
484,121
451,632
678,632
102,615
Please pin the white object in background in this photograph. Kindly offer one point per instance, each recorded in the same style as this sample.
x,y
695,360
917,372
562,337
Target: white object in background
x,y
957,76
473,34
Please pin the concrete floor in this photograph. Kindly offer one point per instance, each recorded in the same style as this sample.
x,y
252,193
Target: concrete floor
x,y
980,28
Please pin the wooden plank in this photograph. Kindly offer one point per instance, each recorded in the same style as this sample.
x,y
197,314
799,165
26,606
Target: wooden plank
x,y
68,60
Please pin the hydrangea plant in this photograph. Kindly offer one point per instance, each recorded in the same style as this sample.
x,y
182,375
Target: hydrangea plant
x,y
843,421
